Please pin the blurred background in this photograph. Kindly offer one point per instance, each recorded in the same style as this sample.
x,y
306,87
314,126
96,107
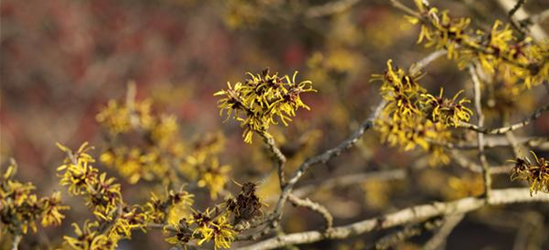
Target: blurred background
x,y
62,60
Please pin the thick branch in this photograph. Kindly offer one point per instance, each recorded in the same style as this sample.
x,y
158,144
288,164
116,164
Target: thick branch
x,y
541,142
534,19
439,239
409,215
16,239
389,241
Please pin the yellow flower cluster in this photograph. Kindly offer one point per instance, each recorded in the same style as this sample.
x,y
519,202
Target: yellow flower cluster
x,y
20,208
447,111
202,164
537,174
101,194
158,132
217,224
90,238
171,209
497,50
413,117
160,154
120,118
115,219
464,186
205,227
262,100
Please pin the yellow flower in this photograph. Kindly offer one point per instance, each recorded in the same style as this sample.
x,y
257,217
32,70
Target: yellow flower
x,y
263,100
521,57
88,238
223,232
413,117
448,111
20,208
51,214
100,193
219,229
537,173
214,178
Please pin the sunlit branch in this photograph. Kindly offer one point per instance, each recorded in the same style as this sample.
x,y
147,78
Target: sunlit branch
x,y
389,241
409,215
438,241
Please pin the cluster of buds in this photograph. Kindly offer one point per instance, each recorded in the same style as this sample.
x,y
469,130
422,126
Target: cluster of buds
x,y
537,173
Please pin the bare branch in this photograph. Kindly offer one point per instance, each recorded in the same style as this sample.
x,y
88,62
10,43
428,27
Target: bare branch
x,y
314,206
417,67
439,239
280,158
408,215
351,179
541,142
480,137
404,8
536,30
516,7
505,129
408,232
535,19
326,156
16,239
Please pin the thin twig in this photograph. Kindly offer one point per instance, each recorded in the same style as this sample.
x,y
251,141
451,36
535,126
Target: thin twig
x,y
325,157
512,20
463,162
314,206
330,8
516,7
541,142
514,144
389,241
417,67
505,129
405,8
280,158
480,136
351,179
